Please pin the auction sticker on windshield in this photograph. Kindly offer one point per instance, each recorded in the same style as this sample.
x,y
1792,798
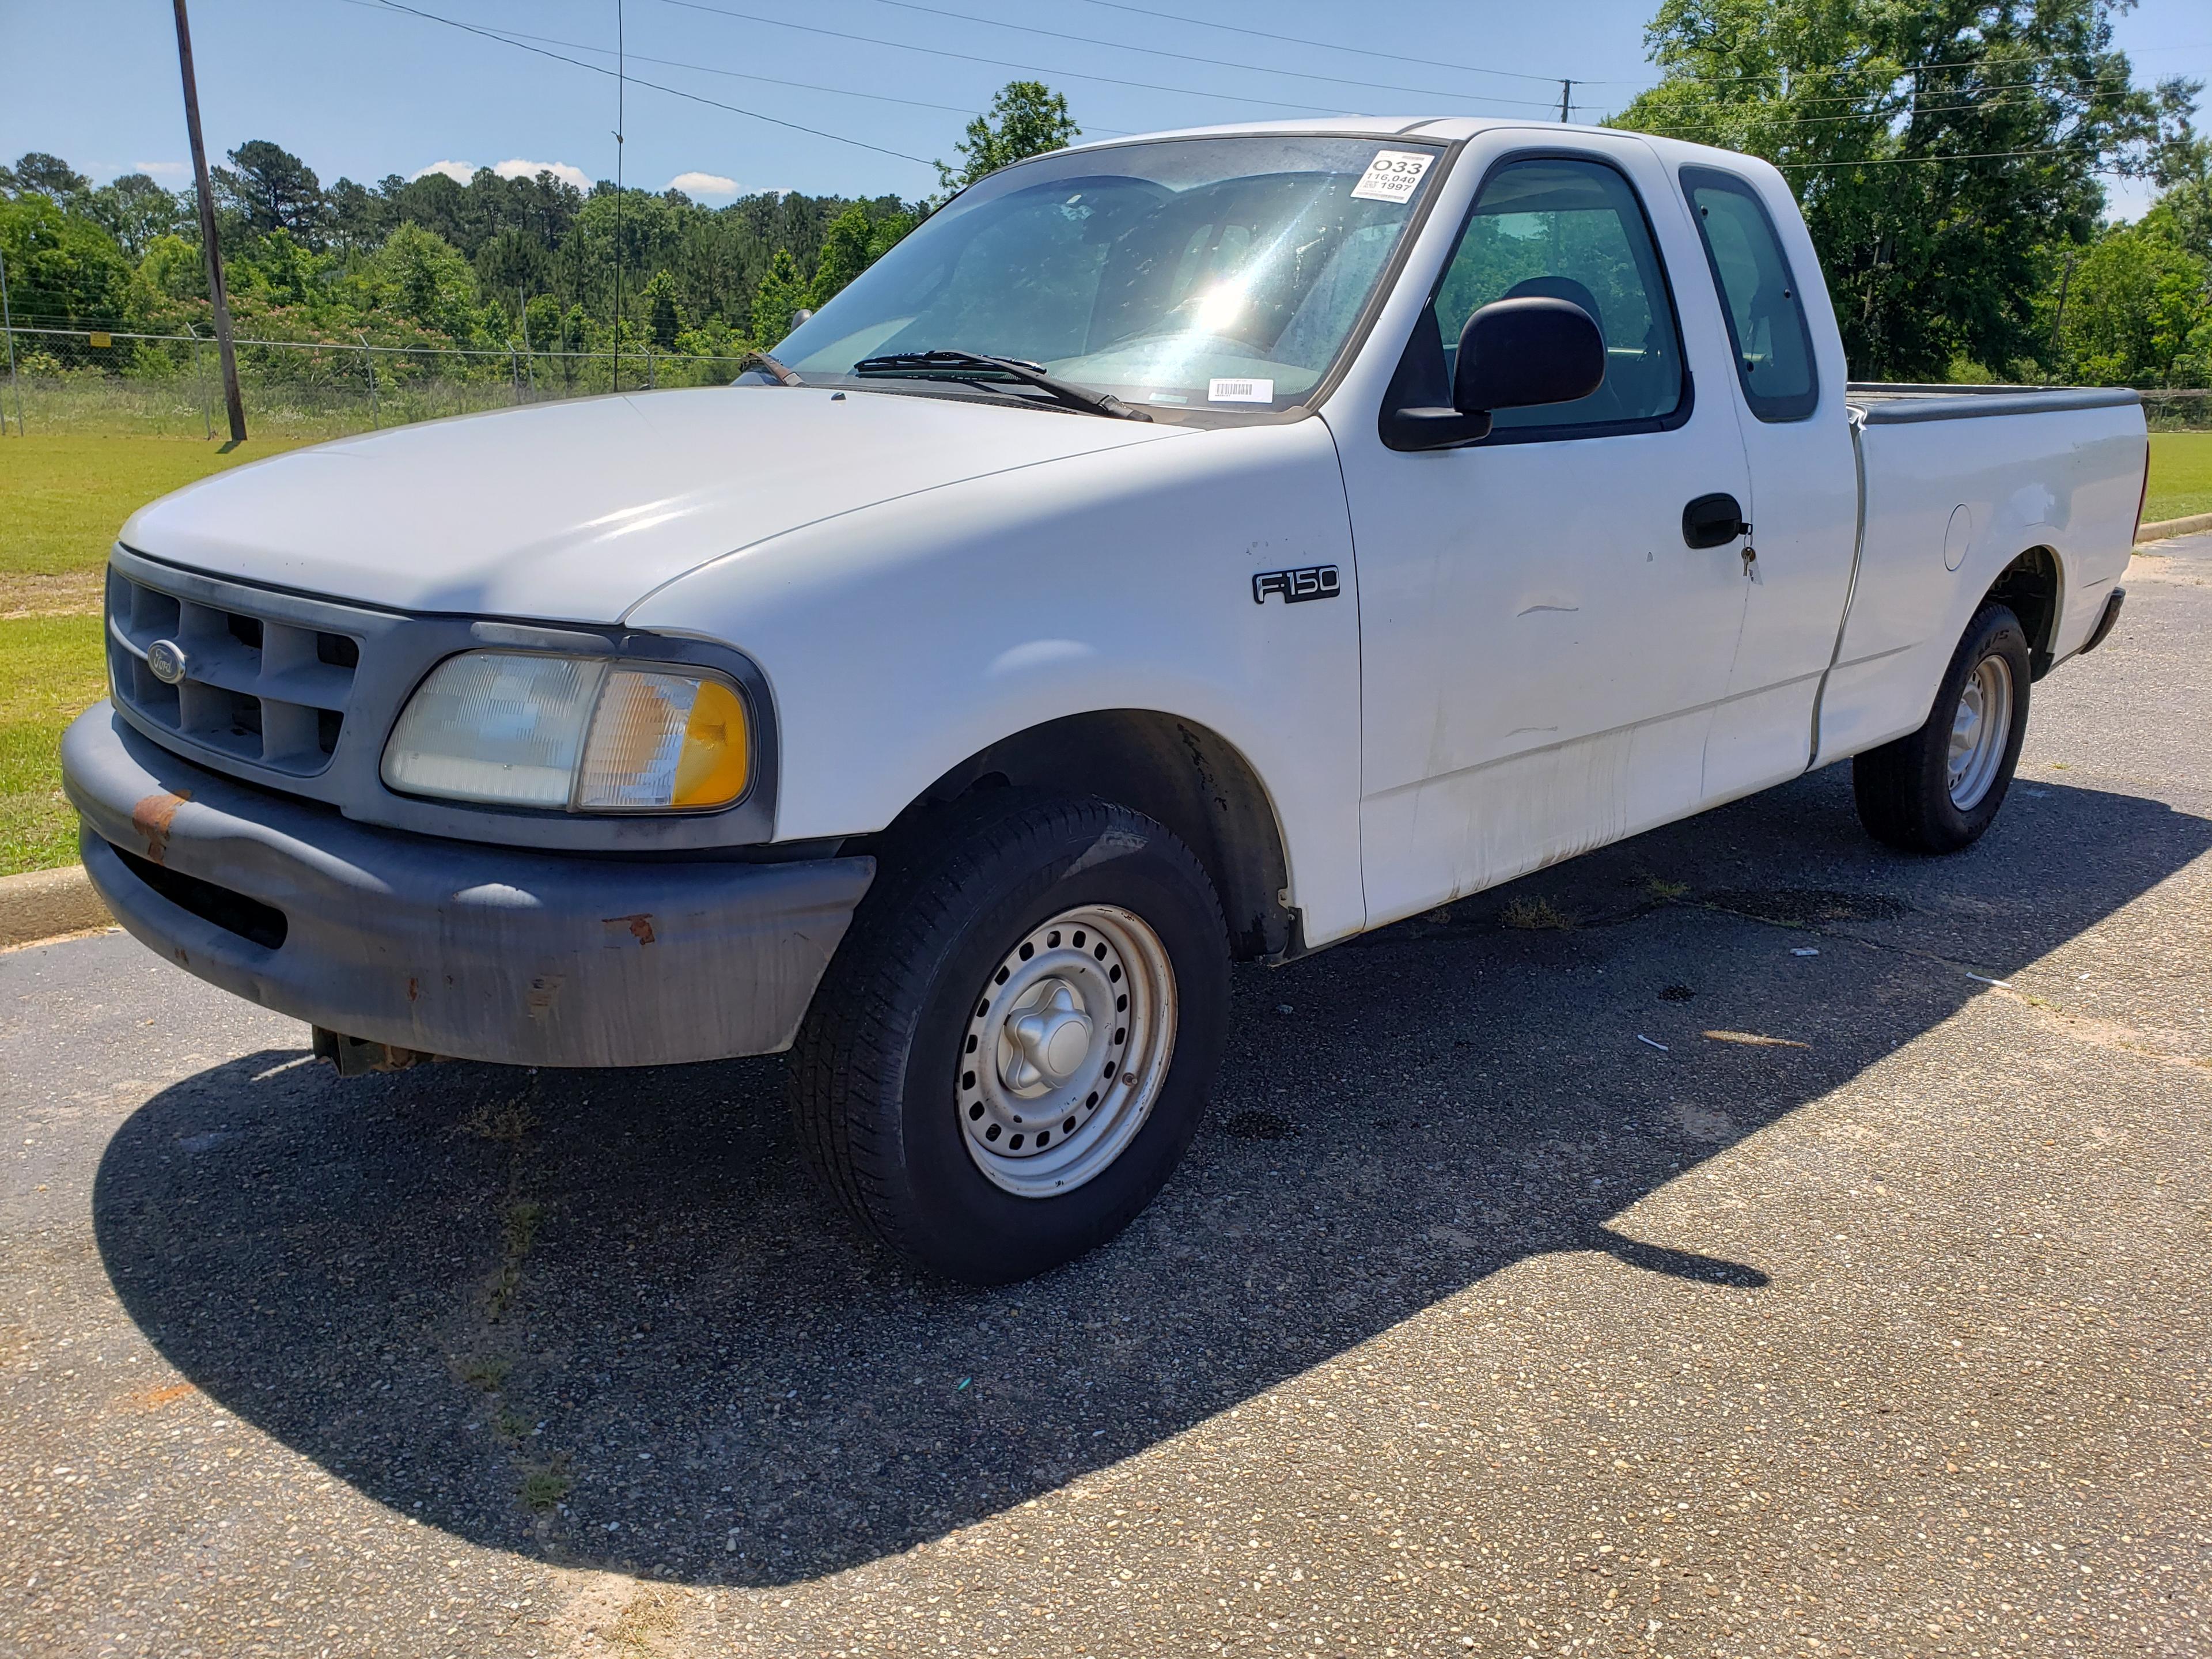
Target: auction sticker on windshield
x,y
1393,175
1240,391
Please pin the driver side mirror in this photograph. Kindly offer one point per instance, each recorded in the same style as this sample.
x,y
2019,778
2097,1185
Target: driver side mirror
x,y
1516,354
1513,354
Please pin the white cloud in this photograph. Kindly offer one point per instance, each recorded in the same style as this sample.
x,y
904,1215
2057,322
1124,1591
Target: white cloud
x,y
517,168
703,183
459,172
162,170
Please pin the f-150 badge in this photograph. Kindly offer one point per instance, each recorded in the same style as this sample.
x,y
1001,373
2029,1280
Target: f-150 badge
x,y
1315,581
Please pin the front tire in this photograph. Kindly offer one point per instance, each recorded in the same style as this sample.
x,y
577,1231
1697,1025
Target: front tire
x,y
1013,1047
1937,789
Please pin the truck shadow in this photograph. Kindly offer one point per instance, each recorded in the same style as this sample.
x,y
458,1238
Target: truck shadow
x,y
602,1318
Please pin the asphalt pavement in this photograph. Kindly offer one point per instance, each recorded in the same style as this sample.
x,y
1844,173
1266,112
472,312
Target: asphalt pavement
x,y
1805,1249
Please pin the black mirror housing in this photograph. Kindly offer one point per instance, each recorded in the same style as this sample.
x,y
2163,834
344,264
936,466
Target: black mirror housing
x,y
1513,354
1517,354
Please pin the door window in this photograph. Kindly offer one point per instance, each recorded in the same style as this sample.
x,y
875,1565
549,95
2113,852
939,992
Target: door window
x,y
1765,317
1565,229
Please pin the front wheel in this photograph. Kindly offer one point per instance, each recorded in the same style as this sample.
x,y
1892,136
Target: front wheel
x,y
1012,1048
1937,789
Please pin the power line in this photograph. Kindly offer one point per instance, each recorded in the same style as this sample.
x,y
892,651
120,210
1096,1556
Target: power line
x,y
1754,111
1897,71
1333,45
1886,90
1217,62
673,91
994,62
514,36
1907,160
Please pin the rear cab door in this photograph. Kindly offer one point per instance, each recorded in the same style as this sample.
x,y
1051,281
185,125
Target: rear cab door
x,y
1787,386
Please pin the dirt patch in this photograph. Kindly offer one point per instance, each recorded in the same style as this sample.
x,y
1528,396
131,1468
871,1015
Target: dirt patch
x,y
1807,907
72,593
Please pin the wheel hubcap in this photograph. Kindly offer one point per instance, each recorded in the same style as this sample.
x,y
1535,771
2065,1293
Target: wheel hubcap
x,y
1980,730
1067,1045
1043,1041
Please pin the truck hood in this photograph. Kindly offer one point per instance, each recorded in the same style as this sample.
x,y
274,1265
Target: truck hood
x,y
572,512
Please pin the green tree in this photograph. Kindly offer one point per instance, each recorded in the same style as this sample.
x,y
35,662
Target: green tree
x,y
274,190
134,211
781,292
63,271
513,262
1935,148
422,278
663,323
174,270
39,173
1026,118
845,255
2136,312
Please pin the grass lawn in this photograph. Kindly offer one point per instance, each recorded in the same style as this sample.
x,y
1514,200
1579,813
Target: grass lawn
x,y
50,670
2180,476
62,499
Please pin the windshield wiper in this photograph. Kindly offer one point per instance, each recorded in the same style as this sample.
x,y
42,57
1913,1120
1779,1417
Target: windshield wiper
x,y
783,373
967,366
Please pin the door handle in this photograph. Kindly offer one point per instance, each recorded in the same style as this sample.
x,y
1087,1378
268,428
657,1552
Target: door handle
x,y
1713,520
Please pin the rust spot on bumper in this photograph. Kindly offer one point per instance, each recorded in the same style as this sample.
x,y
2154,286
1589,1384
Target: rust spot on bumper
x,y
545,993
639,927
152,817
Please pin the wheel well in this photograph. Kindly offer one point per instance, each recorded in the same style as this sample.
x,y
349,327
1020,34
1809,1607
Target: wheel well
x,y
1188,777
2030,586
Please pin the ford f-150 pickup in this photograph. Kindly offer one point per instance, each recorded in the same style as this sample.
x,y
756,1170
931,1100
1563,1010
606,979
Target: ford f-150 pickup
x,y
1188,549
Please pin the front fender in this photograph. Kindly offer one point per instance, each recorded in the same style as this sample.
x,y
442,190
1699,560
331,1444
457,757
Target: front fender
x,y
900,640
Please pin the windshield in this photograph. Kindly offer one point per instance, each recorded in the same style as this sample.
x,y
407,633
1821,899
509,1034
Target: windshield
x,y
1213,273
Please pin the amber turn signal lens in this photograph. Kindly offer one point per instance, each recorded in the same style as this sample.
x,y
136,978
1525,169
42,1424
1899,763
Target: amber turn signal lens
x,y
665,742
717,757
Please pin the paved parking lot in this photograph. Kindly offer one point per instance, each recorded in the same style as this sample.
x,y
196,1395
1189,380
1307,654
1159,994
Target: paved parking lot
x,y
1804,1251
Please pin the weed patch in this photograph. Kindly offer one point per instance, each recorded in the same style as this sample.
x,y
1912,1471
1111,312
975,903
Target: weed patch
x,y
1535,915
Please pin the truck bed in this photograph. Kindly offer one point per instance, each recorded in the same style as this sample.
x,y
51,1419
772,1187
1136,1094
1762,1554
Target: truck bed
x,y
1944,512
1900,403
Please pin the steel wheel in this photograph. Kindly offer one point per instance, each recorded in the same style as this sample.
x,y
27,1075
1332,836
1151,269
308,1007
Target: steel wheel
x,y
1066,1048
1979,732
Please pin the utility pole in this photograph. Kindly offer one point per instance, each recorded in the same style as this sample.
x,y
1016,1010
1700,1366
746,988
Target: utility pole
x,y
622,202
231,399
8,326
1566,94
2058,319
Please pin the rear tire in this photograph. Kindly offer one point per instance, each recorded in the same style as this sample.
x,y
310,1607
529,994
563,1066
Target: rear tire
x,y
1937,789
960,1086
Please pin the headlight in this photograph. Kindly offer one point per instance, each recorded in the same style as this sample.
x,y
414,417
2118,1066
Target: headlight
x,y
571,732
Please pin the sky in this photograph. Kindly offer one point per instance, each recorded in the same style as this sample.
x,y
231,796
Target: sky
x,y
364,88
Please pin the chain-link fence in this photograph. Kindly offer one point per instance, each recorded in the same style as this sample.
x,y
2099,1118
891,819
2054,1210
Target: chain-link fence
x,y
71,380
171,385
2179,411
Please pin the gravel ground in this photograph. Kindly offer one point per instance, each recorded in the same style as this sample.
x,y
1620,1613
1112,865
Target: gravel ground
x,y
1804,1250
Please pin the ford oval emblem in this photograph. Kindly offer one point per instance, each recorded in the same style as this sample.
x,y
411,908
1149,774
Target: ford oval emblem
x,y
166,659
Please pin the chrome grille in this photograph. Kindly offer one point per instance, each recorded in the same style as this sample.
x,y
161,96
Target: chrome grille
x,y
245,684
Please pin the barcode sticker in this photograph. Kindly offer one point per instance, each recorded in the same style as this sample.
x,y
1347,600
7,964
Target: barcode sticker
x,y
1240,391
1393,175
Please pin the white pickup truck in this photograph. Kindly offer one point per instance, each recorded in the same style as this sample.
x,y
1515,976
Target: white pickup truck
x,y
1199,547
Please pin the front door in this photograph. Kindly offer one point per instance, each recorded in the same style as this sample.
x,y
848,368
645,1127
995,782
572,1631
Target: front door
x,y
1541,653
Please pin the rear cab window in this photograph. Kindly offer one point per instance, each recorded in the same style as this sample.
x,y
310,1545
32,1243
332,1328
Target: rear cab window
x,y
1760,296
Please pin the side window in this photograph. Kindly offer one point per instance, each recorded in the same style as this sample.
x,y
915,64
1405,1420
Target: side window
x,y
1765,317
1571,230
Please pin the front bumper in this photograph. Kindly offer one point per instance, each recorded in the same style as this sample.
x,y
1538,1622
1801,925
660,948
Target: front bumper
x,y
529,958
